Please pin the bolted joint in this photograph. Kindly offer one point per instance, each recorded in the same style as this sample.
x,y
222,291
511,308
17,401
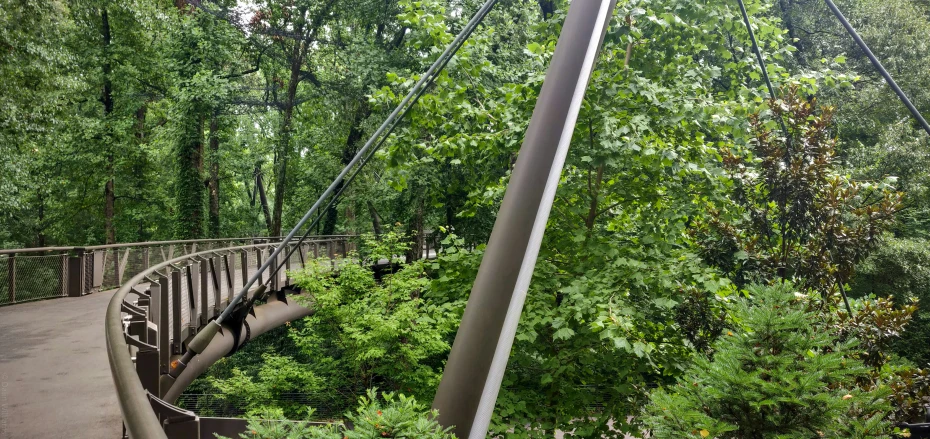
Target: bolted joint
x,y
203,338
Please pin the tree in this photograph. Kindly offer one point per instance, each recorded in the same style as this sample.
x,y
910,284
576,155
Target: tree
x,y
778,373
796,217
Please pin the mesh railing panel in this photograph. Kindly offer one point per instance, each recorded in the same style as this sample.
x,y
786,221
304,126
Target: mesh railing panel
x,y
37,277
88,273
135,264
110,259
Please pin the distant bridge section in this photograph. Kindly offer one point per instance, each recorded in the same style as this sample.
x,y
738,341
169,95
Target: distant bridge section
x,y
29,274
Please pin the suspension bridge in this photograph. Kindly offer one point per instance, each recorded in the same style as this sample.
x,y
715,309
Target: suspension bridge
x,y
53,356
157,315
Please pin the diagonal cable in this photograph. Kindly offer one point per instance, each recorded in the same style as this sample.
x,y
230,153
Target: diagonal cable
x,y
203,338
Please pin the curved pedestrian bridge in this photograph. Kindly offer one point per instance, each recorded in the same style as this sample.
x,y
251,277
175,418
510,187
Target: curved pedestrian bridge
x,y
122,315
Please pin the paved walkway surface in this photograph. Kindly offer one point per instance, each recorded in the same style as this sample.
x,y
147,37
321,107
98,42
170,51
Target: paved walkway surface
x,y
54,375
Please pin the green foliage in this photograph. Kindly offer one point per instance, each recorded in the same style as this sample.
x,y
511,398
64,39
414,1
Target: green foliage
x,y
375,334
795,217
397,416
277,376
779,373
900,269
391,245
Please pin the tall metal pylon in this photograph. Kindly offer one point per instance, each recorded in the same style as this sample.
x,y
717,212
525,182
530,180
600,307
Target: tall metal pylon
x,y
472,378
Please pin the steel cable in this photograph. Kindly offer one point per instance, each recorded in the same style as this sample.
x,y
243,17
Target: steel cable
x,y
203,338
878,66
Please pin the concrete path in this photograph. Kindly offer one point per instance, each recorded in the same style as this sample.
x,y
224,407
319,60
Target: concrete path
x,y
54,375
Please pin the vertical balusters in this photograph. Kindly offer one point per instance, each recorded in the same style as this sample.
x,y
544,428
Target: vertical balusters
x,y
160,291
191,273
258,264
204,291
176,312
274,264
217,289
229,277
245,266
287,267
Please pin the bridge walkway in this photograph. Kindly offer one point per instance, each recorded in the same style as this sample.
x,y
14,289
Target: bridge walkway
x,y
54,375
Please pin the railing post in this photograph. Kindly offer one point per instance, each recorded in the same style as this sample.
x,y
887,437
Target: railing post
x,y
244,258
276,276
63,279
205,308
190,272
217,285
229,277
11,276
258,264
176,312
160,290
287,269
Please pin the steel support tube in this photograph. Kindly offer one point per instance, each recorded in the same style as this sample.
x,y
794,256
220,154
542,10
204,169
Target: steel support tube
x,y
878,66
267,317
472,378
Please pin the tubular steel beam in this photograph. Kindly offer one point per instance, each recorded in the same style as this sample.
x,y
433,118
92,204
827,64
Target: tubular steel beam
x,y
471,381
267,317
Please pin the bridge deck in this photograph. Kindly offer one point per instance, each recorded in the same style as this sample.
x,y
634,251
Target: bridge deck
x,y
54,376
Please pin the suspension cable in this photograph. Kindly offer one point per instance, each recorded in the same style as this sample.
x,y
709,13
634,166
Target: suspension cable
x,y
878,66
765,72
335,197
203,338
368,157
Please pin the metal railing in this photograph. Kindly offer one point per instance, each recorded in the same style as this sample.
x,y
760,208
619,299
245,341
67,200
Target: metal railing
x,y
154,314
28,274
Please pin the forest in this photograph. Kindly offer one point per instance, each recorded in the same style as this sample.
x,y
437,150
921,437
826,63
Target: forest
x,y
718,262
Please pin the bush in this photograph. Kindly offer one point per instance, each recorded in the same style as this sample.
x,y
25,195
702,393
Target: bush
x,y
779,374
400,417
900,268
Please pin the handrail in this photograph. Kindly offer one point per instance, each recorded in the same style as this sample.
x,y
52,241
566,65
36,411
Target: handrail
x,y
138,416
145,244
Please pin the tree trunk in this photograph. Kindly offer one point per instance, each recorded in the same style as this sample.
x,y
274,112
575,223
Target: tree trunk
x,y
348,153
260,187
375,219
416,234
109,189
138,170
213,183
547,8
284,144
190,188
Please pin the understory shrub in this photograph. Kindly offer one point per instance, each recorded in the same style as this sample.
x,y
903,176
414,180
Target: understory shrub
x,y
779,373
900,268
390,416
